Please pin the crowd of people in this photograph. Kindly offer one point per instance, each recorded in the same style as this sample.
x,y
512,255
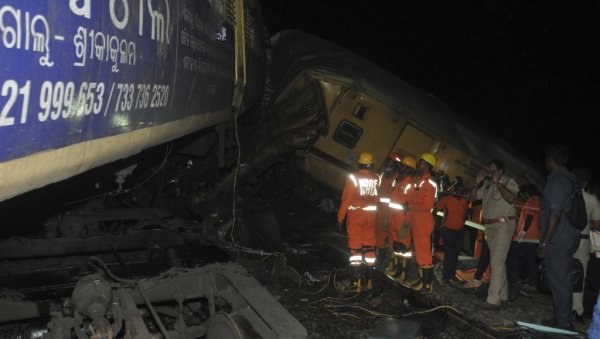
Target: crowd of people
x,y
390,222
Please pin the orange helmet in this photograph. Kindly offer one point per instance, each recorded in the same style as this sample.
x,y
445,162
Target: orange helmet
x,y
409,161
429,158
365,158
395,157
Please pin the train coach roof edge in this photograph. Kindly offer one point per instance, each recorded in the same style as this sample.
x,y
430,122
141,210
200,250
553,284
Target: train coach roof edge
x,y
295,51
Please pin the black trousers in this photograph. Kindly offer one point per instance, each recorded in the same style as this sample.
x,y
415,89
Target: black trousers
x,y
559,262
484,261
592,278
519,254
453,241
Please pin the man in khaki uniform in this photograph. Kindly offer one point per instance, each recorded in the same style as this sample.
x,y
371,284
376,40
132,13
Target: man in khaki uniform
x,y
497,192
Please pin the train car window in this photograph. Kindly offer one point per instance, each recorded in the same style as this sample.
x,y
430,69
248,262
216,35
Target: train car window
x,y
347,134
360,111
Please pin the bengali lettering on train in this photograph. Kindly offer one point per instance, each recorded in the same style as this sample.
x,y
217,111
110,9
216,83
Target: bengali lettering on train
x,y
76,70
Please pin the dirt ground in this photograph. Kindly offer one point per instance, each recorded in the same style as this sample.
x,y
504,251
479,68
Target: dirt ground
x,y
309,286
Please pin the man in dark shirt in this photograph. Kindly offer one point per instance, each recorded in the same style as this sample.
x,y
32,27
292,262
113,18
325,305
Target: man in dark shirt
x,y
558,238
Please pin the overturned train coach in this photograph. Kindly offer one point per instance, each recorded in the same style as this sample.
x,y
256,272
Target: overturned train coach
x,y
361,107
86,83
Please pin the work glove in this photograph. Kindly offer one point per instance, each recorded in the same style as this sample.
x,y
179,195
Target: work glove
x,y
341,227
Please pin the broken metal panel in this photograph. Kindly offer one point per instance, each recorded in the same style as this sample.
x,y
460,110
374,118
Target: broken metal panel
x,y
289,125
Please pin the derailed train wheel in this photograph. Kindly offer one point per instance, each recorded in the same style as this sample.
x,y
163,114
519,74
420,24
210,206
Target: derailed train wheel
x,y
229,326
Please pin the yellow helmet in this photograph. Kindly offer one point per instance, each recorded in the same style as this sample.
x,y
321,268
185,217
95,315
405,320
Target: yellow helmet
x,y
429,158
409,161
365,158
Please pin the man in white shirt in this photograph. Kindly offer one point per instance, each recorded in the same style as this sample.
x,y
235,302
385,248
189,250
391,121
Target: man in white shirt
x,y
583,251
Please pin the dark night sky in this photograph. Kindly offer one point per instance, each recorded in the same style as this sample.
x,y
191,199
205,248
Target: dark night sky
x,y
522,70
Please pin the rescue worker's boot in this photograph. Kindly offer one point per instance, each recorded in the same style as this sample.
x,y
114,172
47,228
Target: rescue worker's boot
x,y
428,280
368,278
416,283
391,266
425,285
400,270
410,266
355,279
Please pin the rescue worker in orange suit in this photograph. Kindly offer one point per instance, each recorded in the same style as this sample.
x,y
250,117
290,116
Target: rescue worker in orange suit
x,y
387,181
421,200
455,207
359,208
400,231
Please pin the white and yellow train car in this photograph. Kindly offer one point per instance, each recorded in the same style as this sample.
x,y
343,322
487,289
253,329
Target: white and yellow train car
x,y
368,109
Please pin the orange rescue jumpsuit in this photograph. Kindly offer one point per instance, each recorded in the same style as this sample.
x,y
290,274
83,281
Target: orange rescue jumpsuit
x,y
421,200
398,203
382,223
531,208
359,204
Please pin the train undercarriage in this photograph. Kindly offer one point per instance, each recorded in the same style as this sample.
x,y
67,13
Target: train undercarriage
x,y
131,273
